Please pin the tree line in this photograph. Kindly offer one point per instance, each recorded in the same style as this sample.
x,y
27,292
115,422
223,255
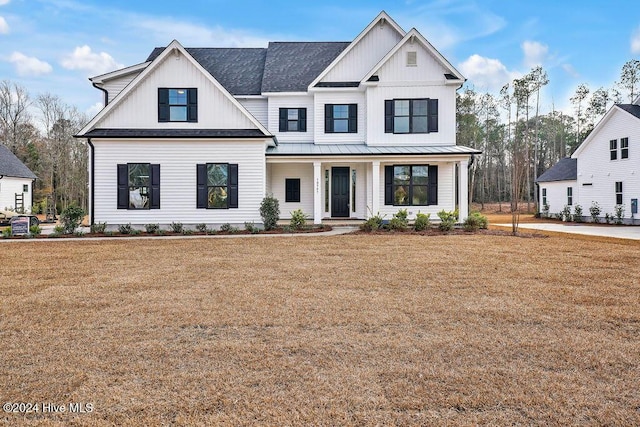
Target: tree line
x,y
39,131
519,142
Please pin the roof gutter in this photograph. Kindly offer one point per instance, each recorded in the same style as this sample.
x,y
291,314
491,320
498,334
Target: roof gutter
x,y
106,94
92,185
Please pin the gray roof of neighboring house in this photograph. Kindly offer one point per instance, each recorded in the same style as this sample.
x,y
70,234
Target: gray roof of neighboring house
x,y
11,166
565,170
288,149
282,67
174,133
631,109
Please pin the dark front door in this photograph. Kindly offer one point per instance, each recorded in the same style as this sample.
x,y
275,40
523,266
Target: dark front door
x,y
340,192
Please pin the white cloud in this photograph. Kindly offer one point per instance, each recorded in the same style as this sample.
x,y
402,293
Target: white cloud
x,y
568,68
4,27
534,53
635,42
3,2
94,109
28,65
486,73
83,58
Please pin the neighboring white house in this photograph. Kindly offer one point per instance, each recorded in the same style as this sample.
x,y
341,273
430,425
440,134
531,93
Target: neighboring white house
x,y
605,169
337,129
16,183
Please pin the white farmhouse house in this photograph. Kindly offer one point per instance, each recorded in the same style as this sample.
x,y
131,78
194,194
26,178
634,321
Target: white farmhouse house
x,y
337,129
16,183
604,169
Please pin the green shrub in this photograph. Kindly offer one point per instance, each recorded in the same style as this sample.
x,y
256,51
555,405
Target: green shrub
x,y
187,232
211,231
58,229
298,220
35,230
98,227
228,228
594,210
176,227
475,221
565,213
151,228
6,233
270,212
619,213
399,221
251,227
71,218
125,228
447,220
202,227
422,222
79,233
608,218
577,213
373,223
545,209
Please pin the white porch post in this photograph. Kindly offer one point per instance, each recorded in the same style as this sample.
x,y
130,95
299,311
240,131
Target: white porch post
x,y
317,193
375,188
463,195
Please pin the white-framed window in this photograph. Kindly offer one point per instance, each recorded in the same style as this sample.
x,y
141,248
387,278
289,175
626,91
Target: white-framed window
x,y
569,196
624,148
613,149
618,192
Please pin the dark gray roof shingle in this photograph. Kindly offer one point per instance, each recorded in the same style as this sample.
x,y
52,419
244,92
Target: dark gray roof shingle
x,y
11,166
631,109
565,170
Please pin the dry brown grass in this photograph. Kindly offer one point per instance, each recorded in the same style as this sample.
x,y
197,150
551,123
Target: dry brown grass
x,y
346,330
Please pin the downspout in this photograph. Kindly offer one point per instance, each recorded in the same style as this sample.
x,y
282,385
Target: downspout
x,y
91,178
106,94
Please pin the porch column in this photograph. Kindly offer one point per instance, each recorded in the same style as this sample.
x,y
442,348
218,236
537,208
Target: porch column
x,y
317,193
463,189
375,188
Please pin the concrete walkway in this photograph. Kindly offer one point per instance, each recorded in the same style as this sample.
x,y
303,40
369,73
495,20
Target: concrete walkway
x,y
617,232
334,232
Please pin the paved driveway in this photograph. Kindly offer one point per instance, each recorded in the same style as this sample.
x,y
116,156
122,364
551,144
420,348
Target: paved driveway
x,y
619,231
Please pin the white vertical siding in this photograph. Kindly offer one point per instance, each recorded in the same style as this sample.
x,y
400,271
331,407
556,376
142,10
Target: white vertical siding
x,y
428,68
363,56
596,168
302,101
557,196
258,108
9,186
215,110
446,96
116,85
347,97
178,160
303,171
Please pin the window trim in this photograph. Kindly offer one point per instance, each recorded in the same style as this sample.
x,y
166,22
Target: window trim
x,y
431,186
619,193
544,196
613,149
123,195
207,186
569,196
431,116
351,119
624,148
291,193
164,105
301,125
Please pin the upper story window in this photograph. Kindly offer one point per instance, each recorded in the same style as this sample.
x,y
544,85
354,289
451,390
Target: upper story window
x,y
613,148
341,118
177,105
411,115
293,120
624,148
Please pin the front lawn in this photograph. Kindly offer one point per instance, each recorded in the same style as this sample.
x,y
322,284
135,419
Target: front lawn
x,y
343,330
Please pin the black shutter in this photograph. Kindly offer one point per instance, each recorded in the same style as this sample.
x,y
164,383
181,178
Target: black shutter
x,y
201,186
328,118
432,195
123,186
302,120
432,111
353,118
388,185
388,116
192,107
163,105
283,119
233,186
155,187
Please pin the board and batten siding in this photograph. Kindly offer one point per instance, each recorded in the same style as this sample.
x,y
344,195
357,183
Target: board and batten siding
x,y
557,196
446,96
257,108
596,168
140,109
334,97
363,56
178,160
9,186
427,69
302,101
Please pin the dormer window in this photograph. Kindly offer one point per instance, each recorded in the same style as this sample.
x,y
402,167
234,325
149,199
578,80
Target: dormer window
x,y
412,59
177,105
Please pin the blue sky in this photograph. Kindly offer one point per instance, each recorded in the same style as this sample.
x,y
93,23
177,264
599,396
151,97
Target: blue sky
x,y
55,45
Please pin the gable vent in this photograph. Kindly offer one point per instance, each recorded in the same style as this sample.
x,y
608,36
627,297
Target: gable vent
x,y
412,59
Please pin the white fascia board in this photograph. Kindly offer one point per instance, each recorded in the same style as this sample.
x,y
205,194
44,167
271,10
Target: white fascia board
x,y
368,158
119,73
268,94
595,131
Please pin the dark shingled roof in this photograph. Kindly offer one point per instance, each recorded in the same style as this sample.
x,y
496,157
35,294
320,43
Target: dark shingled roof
x,y
11,166
565,170
282,67
239,70
631,109
173,133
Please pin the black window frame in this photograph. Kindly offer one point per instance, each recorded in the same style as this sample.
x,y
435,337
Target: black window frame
x,y
431,186
25,188
569,196
124,185
292,190
164,105
285,121
613,149
202,186
330,119
431,116
544,196
618,190
624,148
